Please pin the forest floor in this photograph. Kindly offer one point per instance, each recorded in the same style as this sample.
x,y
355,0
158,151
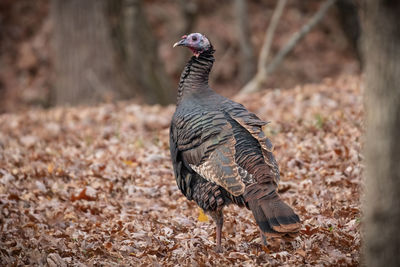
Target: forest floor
x,y
94,185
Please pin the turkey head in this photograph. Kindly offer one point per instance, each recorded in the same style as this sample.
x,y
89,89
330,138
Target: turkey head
x,y
196,42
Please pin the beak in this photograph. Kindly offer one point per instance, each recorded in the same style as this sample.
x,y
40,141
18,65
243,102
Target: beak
x,y
180,43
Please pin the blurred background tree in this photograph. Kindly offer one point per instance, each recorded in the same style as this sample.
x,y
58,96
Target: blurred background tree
x,y
82,52
105,50
382,146
84,66
244,35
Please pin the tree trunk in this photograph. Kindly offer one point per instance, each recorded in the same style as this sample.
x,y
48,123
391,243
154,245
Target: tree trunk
x,y
350,24
138,53
189,10
85,72
105,50
248,60
382,149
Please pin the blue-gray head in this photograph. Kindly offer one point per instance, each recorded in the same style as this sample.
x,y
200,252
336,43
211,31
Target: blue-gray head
x,y
196,42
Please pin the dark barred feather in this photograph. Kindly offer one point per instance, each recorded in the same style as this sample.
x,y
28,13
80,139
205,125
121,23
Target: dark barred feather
x,y
221,155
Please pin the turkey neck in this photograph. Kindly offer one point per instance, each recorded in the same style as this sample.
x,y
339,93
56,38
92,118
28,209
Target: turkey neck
x,y
195,75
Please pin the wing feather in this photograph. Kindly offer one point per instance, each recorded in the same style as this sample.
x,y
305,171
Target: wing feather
x,y
254,126
207,146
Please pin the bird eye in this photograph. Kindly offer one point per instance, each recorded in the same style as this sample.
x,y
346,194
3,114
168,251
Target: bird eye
x,y
194,38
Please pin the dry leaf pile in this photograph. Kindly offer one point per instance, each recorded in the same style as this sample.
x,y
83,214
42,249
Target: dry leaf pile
x,y
94,185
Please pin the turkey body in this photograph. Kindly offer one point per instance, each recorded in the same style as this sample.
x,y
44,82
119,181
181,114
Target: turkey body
x,y
221,156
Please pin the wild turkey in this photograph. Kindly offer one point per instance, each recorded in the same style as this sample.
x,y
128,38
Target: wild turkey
x,y
219,152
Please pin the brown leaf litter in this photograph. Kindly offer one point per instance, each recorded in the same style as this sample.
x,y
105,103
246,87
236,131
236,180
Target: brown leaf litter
x,y
94,185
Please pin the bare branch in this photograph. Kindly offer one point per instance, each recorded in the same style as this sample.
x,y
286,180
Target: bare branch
x,y
262,74
257,80
269,35
299,35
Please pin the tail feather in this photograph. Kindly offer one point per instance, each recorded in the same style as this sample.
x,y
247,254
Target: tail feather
x,y
260,218
273,216
281,216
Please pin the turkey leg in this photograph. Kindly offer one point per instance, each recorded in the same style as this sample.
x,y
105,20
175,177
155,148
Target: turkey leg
x,y
263,238
218,218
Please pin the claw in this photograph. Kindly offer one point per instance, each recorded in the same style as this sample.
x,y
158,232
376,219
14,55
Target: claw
x,y
218,249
